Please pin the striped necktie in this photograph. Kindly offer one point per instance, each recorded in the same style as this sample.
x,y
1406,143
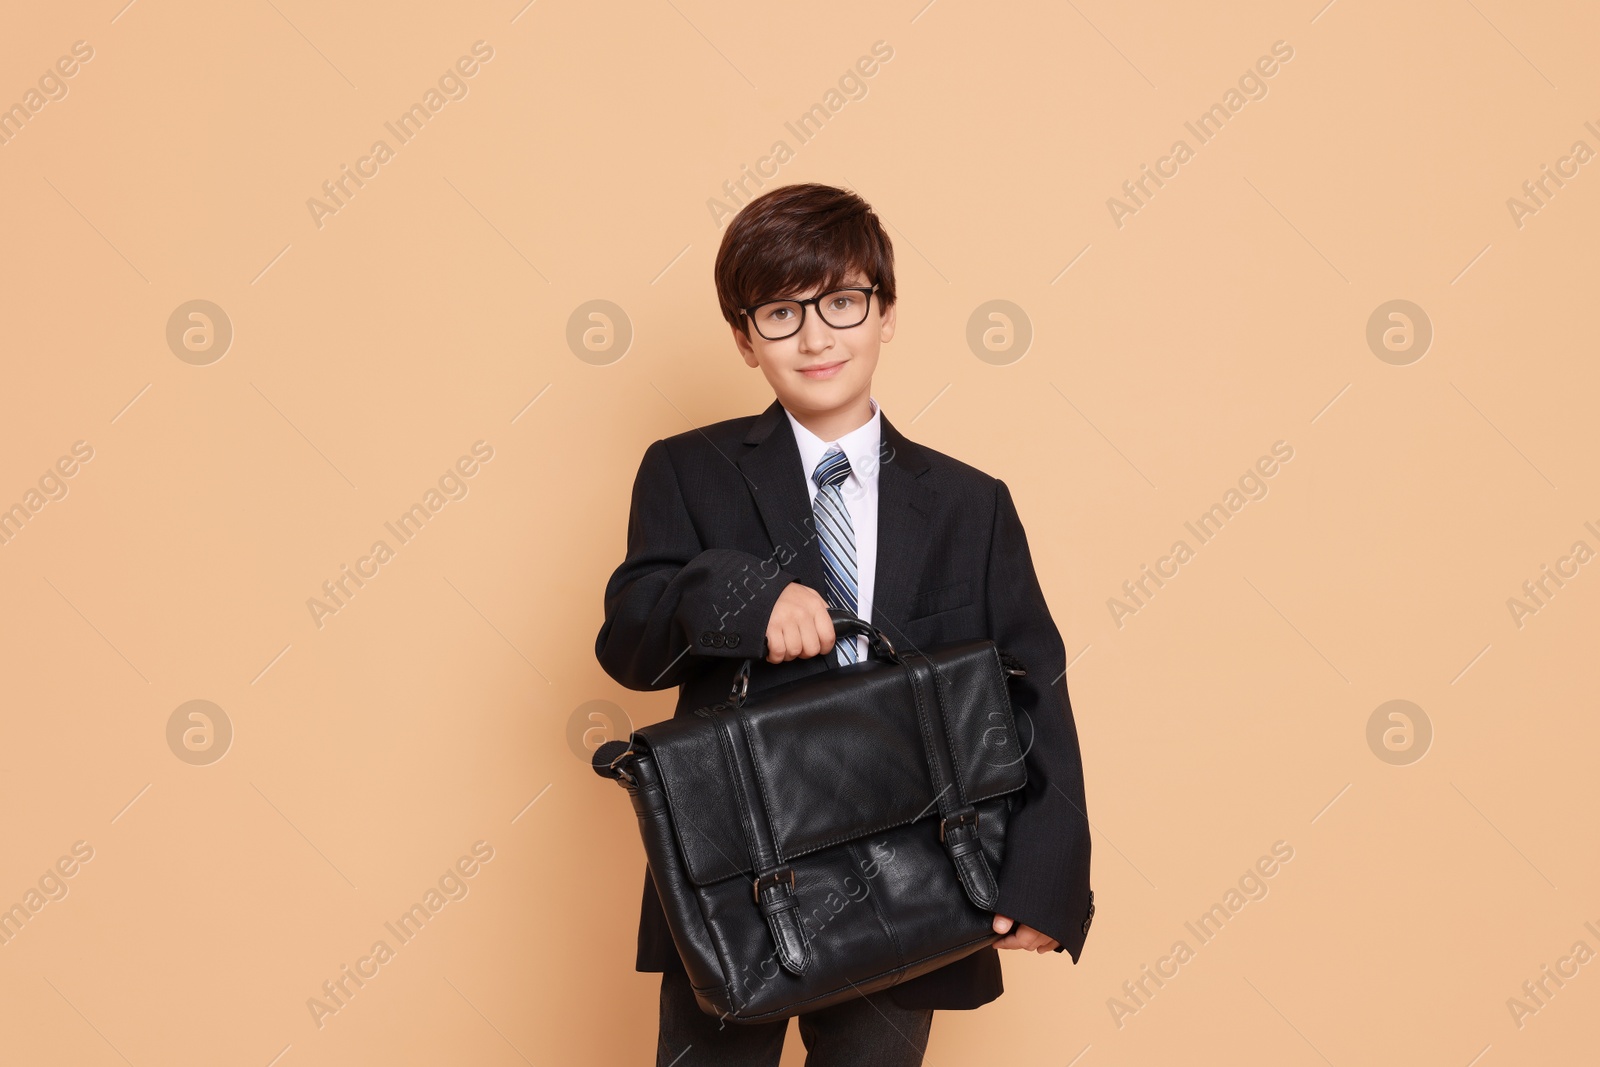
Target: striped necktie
x,y
838,542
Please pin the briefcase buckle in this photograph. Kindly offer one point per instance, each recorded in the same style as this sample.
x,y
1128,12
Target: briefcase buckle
x,y
965,818
776,877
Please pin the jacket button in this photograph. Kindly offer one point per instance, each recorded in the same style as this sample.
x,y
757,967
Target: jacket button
x,y
705,637
718,640
733,640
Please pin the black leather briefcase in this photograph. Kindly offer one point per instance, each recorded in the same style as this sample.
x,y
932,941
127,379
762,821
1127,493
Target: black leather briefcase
x,y
832,835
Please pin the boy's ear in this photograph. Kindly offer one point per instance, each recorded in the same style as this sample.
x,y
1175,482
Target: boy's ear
x,y
886,325
745,349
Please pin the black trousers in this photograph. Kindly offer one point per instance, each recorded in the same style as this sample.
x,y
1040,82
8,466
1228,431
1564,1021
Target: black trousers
x,y
871,1031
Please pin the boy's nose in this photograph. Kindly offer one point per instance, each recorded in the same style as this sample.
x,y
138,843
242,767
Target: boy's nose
x,y
815,335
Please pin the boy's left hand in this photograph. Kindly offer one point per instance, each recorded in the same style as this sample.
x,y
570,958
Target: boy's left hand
x,y
1021,936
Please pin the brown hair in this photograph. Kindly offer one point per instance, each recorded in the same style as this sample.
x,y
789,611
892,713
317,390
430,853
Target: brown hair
x,y
797,237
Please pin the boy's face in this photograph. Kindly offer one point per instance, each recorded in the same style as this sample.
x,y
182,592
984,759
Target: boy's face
x,y
821,369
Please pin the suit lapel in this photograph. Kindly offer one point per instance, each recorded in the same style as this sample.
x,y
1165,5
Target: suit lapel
x,y
905,508
771,466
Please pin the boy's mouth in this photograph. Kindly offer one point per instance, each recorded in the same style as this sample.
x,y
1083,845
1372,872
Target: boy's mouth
x,y
823,370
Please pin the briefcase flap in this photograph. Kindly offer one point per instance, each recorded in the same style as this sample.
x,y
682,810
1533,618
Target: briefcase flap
x,y
837,756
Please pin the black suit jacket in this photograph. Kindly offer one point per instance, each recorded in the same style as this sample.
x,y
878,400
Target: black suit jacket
x,y
721,521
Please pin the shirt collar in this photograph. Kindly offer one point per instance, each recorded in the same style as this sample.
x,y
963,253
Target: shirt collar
x,y
860,445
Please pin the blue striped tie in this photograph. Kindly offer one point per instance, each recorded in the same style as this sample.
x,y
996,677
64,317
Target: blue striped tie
x,y
838,542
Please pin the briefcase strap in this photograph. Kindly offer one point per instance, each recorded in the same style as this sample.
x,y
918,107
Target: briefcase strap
x,y
773,887
958,820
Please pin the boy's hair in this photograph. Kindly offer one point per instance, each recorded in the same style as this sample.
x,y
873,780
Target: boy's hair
x,y
797,237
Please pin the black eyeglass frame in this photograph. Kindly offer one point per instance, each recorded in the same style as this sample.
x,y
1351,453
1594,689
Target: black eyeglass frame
x,y
815,301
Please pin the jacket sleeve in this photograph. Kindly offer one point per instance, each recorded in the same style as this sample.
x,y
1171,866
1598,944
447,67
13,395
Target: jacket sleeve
x,y
1044,878
671,598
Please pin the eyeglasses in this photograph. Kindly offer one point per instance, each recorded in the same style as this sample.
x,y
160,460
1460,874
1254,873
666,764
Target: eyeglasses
x,y
841,309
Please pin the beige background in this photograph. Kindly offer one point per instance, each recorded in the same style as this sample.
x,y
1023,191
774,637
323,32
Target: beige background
x,y
446,702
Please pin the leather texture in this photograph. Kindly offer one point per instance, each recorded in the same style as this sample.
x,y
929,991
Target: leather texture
x,y
835,835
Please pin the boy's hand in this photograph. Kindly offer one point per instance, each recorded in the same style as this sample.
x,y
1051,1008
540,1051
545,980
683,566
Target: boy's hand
x,y
1021,936
799,626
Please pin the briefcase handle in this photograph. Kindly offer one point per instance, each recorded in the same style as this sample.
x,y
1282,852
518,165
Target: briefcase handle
x,y
844,622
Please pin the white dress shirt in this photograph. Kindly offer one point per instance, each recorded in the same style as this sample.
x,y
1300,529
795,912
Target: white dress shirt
x,y
860,491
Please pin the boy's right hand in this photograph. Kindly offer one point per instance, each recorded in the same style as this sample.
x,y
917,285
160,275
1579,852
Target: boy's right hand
x,y
800,626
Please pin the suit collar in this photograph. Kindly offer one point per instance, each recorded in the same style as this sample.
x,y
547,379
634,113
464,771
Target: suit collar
x,y
862,445
896,445
773,474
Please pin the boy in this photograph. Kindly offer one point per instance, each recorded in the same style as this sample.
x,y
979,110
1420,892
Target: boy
x,y
743,533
